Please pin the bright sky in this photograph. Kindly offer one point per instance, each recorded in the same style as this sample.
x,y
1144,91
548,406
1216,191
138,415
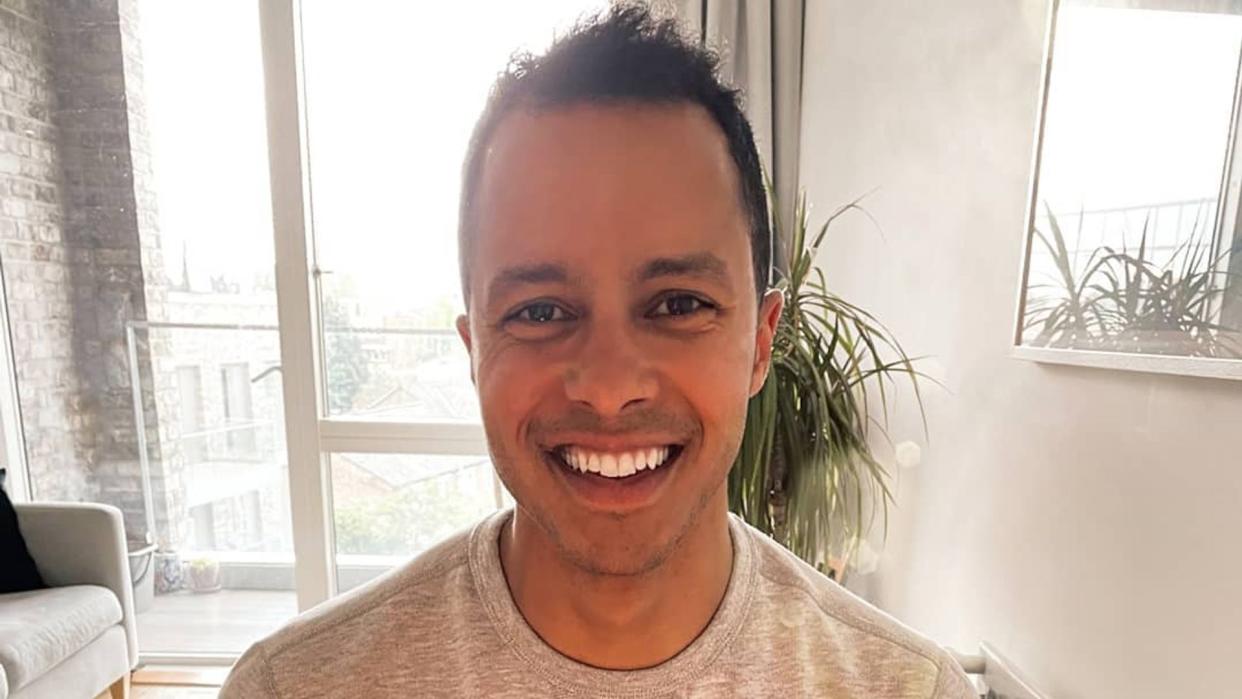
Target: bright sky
x,y
208,137
1138,108
393,90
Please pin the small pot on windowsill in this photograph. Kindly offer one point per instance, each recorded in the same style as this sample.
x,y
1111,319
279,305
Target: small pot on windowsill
x,y
205,575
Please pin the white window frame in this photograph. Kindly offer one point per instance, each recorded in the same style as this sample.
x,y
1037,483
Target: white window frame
x,y
12,436
312,436
1228,209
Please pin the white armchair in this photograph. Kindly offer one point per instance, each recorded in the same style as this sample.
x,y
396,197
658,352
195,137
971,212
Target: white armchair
x,y
78,638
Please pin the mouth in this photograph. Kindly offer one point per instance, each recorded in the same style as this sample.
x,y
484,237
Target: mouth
x,y
615,465
617,481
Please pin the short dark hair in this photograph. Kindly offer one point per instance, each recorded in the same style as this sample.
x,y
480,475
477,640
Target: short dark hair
x,y
623,55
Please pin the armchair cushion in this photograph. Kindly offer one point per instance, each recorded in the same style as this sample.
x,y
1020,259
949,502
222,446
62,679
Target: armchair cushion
x,y
79,543
17,569
41,628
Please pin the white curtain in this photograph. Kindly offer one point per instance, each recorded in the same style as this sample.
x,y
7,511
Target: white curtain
x,y
760,42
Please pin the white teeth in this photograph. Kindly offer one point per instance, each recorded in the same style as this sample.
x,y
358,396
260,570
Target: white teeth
x,y
626,465
614,465
608,465
640,459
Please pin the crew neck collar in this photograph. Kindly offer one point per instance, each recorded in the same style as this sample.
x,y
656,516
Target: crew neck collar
x,y
573,676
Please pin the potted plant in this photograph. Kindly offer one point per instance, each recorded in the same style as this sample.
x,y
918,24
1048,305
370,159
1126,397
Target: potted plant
x,y
806,473
205,575
1122,301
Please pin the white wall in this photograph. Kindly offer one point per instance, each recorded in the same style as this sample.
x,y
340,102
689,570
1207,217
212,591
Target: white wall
x,y
1086,522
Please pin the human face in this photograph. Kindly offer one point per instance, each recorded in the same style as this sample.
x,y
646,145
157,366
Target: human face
x,y
613,312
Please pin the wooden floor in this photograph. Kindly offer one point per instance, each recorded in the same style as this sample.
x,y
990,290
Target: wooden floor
x,y
175,683
152,691
143,691
227,621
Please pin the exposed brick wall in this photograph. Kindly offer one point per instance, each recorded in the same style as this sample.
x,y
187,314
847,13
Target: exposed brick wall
x,y
81,249
37,259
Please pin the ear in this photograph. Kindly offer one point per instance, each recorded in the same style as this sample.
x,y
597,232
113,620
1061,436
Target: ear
x,y
770,307
463,331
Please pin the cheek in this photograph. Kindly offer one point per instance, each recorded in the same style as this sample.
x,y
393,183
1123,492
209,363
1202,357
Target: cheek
x,y
714,378
710,376
511,380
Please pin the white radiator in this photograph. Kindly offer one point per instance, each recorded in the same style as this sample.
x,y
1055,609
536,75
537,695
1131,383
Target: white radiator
x,y
998,677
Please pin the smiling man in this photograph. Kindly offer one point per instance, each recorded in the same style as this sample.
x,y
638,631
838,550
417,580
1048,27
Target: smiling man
x,y
614,258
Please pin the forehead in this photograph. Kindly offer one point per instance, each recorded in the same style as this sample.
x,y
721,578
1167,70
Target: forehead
x,y
612,183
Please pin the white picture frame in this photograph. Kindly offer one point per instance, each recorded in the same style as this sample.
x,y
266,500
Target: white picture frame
x,y
1230,198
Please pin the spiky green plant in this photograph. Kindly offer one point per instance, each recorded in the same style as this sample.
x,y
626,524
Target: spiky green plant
x,y
1121,301
1067,316
806,473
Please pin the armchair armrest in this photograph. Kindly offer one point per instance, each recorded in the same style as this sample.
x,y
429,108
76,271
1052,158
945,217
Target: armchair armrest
x,y
76,543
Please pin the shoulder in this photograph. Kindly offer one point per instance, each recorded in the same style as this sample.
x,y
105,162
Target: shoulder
x,y
828,620
405,590
411,598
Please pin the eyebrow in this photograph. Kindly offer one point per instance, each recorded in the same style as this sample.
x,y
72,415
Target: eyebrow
x,y
512,277
700,264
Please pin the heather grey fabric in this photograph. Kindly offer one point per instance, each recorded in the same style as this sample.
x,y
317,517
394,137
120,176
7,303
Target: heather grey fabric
x,y
84,674
445,625
81,543
41,628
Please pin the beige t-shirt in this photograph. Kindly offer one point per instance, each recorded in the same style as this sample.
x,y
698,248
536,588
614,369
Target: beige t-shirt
x,y
444,624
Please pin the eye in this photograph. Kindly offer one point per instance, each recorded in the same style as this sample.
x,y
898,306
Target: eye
x,y
540,313
680,305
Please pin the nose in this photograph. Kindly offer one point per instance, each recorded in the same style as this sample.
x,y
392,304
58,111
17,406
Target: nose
x,y
611,372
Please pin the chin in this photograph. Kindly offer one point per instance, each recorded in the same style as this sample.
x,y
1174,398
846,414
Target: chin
x,y
619,560
626,546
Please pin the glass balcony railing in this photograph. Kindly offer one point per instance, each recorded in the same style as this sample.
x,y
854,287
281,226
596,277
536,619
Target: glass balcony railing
x,y
214,471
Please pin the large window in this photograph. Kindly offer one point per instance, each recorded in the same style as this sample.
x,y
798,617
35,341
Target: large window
x,y
392,93
145,353
386,506
1136,238
275,447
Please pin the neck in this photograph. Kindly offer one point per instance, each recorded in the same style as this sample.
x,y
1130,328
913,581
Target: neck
x,y
619,622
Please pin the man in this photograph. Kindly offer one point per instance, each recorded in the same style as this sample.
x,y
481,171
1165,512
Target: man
x,y
614,257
